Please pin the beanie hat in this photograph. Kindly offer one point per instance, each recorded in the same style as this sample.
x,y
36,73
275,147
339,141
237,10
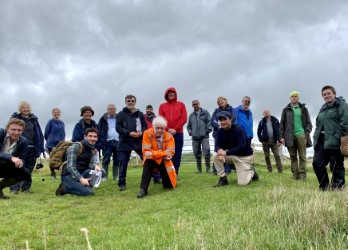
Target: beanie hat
x,y
296,93
85,108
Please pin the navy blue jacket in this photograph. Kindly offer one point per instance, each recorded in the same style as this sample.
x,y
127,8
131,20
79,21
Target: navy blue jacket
x,y
54,132
262,130
20,151
234,140
79,131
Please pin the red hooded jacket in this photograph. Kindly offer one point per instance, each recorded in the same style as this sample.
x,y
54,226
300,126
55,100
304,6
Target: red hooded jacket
x,y
174,112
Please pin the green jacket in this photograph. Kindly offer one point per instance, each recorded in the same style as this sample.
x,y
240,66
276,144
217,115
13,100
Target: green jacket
x,y
333,120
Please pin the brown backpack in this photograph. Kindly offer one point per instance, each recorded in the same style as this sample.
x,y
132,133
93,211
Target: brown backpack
x,y
58,153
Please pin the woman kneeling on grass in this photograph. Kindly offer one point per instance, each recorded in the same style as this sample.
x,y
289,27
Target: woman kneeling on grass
x,y
158,149
331,125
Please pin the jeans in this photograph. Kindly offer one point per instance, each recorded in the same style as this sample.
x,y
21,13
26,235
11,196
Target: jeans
x,y
124,159
72,186
321,158
111,150
30,161
179,144
298,169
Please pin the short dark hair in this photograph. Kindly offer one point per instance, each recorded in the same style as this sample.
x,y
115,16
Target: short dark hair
x,y
94,130
328,87
130,97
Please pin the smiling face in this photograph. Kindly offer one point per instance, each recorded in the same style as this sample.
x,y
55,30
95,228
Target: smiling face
x,y
25,110
171,95
222,102
225,122
91,138
158,130
14,131
87,116
56,113
328,95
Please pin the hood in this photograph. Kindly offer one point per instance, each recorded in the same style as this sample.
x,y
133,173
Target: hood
x,y
166,93
337,102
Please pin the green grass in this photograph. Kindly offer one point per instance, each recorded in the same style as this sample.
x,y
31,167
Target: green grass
x,y
273,213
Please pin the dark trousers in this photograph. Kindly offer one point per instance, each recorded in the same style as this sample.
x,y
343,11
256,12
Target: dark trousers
x,y
9,171
321,158
124,159
111,150
179,144
29,165
149,166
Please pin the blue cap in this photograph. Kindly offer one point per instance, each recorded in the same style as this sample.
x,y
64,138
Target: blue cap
x,y
224,114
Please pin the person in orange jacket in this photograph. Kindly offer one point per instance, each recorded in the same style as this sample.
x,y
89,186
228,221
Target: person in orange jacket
x,y
176,115
158,150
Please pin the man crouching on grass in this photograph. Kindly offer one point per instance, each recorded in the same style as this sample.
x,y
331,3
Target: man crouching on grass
x,y
232,146
76,172
158,149
13,151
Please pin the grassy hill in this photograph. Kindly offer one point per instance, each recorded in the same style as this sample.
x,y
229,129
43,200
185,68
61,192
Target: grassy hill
x,y
273,213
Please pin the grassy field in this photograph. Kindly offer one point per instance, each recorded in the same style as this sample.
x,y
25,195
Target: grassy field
x,y
273,213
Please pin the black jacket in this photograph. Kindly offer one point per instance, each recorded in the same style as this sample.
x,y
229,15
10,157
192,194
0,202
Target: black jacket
x,y
126,123
262,130
20,151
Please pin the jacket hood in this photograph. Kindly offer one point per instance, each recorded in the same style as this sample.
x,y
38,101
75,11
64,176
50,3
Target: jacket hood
x,y
301,105
166,94
337,102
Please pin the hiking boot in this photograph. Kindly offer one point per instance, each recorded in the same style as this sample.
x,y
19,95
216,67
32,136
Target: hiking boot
x,y
122,188
222,182
61,190
142,193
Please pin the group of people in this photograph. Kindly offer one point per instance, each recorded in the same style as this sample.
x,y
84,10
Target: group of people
x,y
159,142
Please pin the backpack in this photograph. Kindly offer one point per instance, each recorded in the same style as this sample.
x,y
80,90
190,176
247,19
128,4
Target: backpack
x,y
58,153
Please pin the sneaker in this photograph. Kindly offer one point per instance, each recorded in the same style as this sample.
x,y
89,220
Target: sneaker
x,y
222,182
142,193
122,188
61,190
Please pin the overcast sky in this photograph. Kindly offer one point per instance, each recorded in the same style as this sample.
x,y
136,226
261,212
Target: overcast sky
x,y
68,54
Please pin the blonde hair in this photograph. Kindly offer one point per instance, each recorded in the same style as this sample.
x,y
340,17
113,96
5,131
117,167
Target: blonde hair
x,y
16,121
220,97
22,104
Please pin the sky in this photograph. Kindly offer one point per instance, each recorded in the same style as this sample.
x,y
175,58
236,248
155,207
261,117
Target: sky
x,y
68,54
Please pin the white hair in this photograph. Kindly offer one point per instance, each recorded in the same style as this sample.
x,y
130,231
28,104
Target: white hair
x,y
159,121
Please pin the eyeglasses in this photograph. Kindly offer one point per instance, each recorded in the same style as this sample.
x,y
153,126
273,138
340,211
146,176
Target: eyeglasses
x,y
130,100
159,128
195,104
247,101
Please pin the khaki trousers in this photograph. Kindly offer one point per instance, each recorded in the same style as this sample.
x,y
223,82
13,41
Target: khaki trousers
x,y
242,164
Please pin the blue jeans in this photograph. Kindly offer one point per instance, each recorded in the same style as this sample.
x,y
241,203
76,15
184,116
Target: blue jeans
x,y
30,161
124,159
179,144
73,186
111,150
